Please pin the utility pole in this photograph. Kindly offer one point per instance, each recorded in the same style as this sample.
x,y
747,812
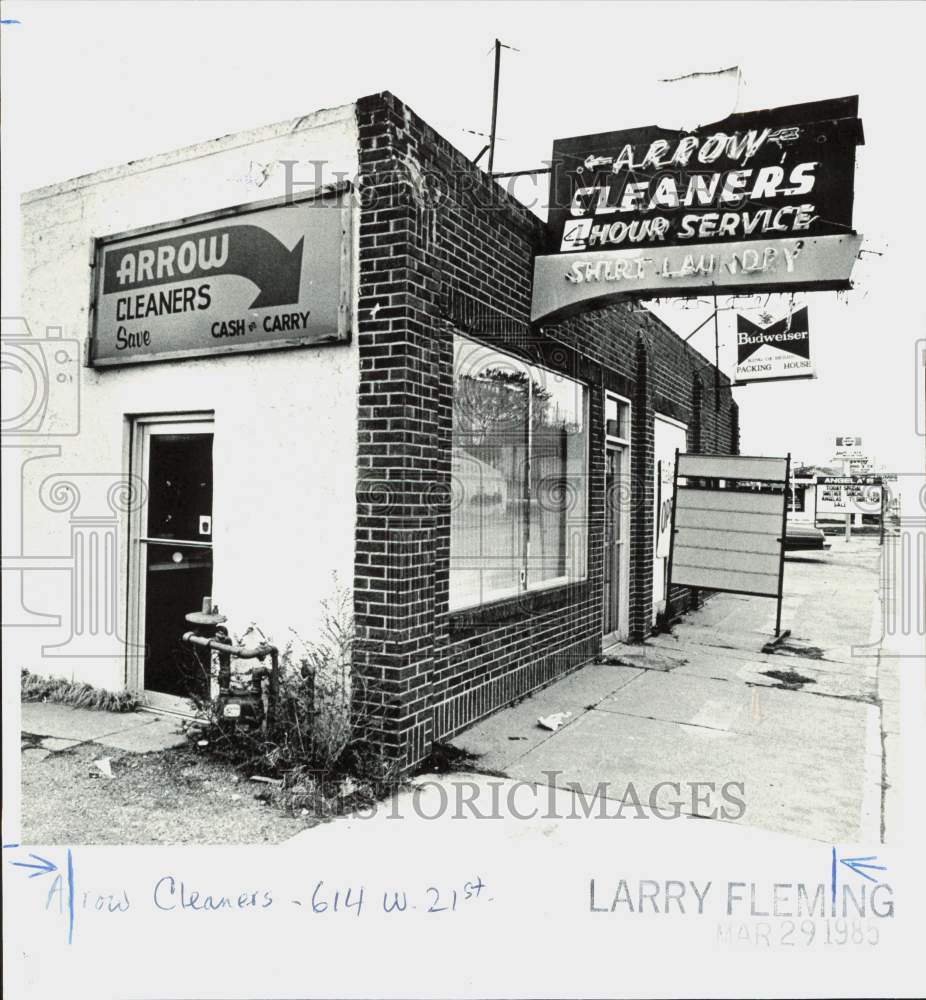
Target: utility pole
x,y
881,518
846,465
498,66
716,359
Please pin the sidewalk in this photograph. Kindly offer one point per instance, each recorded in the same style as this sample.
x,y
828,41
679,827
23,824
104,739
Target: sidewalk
x,y
804,728
97,777
50,728
800,727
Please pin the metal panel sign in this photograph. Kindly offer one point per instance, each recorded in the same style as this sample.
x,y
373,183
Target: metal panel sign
x,y
773,352
663,213
730,537
848,495
564,283
246,280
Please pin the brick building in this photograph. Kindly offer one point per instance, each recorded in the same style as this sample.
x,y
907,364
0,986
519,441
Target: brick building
x,y
510,479
445,254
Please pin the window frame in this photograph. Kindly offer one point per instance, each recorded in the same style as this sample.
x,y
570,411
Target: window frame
x,y
624,405
625,409
139,430
527,591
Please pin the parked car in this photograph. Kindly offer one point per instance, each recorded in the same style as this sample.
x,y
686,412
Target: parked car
x,y
803,536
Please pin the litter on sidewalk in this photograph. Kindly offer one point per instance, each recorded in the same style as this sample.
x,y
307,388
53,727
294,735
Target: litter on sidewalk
x,y
553,722
104,766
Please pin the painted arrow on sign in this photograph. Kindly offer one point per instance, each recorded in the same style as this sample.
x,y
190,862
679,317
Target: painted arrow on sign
x,y
247,251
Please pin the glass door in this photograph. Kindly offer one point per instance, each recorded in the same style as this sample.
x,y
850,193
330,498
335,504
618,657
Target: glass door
x,y
172,556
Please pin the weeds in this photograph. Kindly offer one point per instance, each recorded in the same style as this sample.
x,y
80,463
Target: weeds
x,y
321,747
446,759
76,694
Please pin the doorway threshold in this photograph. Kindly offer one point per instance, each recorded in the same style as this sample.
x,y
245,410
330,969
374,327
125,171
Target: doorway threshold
x,y
170,711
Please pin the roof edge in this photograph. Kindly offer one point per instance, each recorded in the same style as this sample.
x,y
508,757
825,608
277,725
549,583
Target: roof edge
x,y
191,151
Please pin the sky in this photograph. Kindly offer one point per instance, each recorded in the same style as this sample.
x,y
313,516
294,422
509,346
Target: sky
x,y
90,85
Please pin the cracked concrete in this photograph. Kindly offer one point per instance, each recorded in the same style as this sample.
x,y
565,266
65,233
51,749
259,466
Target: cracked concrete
x,y
57,728
806,726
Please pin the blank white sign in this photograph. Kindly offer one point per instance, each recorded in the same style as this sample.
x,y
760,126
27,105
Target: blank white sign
x,y
727,539
733,467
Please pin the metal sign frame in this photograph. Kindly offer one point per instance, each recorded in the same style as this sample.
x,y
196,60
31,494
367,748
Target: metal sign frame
x,y
338,193
781,538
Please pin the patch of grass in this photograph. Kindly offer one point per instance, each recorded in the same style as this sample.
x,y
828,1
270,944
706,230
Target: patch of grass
x,y
76,694
172,796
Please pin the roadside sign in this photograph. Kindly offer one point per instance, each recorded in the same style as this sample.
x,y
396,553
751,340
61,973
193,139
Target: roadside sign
x,y
729,522
848,495
848,446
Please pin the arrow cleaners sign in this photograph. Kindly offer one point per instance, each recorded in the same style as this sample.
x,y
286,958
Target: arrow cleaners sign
x,y
250,280
759,202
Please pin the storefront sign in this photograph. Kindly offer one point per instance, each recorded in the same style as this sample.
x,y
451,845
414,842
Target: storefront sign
x,y
848,495
773,351
563,283
246,280
759,175
747,183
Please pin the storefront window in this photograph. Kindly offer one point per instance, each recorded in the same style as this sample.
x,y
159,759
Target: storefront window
x,y
519,471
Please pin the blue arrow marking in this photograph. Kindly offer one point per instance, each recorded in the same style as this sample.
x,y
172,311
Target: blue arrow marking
x,y
857,864
45,866
833,882
70,897
42,868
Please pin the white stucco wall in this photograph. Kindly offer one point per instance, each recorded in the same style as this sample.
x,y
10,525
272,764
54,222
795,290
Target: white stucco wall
x,y
668,435
285,442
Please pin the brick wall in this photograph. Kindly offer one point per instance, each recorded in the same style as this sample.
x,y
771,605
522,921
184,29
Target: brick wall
x,y
444,249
